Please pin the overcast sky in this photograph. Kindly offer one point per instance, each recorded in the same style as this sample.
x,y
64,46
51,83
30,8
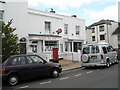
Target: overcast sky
x,y
89,10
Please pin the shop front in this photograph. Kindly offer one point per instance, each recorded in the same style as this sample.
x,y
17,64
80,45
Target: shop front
x,y
73,45
43,43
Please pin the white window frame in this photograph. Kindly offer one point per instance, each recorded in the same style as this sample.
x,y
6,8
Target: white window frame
x,y
66,28
77,30
47,27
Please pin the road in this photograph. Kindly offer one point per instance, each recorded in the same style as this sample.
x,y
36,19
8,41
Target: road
x,y
77,78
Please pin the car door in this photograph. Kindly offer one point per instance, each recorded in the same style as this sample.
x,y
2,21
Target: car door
x,y
18,64
95,54
37,66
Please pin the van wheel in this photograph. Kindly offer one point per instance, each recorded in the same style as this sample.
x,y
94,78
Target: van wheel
x,y
116,61
107,64
13,80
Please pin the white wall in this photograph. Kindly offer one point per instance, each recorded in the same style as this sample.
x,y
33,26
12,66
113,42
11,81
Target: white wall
x,y
36,22
88,35
113,38
18,12
109,38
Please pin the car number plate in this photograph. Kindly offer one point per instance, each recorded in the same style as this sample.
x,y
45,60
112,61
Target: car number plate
x,y
93,57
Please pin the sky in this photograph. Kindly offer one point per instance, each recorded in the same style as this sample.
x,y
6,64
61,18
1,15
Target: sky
x,y
89,10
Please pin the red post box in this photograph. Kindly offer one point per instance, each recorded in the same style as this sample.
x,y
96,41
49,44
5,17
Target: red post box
x,y
55,54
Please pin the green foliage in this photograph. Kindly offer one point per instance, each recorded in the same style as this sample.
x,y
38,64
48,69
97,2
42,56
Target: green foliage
x,y
10,44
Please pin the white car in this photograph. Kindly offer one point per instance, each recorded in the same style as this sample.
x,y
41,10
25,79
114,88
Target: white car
x,y
98,54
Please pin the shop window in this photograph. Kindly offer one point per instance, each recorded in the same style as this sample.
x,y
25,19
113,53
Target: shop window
x,y
34,48
49,45
47,27
66,46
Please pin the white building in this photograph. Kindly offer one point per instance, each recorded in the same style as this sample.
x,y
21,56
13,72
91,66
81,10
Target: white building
x,y
88,35
117,31
102,32
37,29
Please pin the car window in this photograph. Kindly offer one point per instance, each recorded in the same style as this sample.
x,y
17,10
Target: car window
x,y
93,49
86,50
97,49
104,50
110,48
34,60
18,61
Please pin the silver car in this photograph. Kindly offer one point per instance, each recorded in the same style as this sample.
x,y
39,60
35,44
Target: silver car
x,y
98,54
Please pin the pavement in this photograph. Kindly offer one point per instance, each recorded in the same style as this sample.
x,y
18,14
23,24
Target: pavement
x,y
68,64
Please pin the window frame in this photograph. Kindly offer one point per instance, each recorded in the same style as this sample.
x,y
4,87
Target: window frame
x,y
17,60
47,27
93,30
33,62
101,38
77,30
66,29
102,28
93,39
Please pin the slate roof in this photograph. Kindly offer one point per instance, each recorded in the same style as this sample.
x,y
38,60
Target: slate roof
x,y
102,22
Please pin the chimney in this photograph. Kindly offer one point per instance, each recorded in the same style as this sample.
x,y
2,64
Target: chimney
x,y
73,16
52,10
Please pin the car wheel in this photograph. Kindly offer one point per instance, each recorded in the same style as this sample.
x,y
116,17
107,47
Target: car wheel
x,y
107,64
55,73
13,80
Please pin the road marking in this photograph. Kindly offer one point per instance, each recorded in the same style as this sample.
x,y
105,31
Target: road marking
x,y
64,78
24,87
89,72
78,75
46,82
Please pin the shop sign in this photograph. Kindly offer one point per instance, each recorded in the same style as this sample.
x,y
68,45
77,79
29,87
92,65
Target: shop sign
x,y
45,38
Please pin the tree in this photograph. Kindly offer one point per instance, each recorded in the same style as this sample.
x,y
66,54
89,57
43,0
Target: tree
x,y
10,44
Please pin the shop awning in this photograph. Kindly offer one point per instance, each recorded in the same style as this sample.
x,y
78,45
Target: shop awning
x,y
44,37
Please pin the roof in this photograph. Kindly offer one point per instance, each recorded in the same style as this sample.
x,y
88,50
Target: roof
x,y
46,35
117,31
102,22
38,12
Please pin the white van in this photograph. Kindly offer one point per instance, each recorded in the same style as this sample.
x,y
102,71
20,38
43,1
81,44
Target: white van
x,y
98,54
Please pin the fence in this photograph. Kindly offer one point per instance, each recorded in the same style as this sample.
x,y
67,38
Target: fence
x,y
73,56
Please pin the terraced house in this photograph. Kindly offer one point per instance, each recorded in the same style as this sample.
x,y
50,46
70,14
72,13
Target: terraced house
x,y
40,31
102,32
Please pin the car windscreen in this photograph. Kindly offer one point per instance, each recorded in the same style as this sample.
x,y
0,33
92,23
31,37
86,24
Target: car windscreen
x,y
5,62
86,50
